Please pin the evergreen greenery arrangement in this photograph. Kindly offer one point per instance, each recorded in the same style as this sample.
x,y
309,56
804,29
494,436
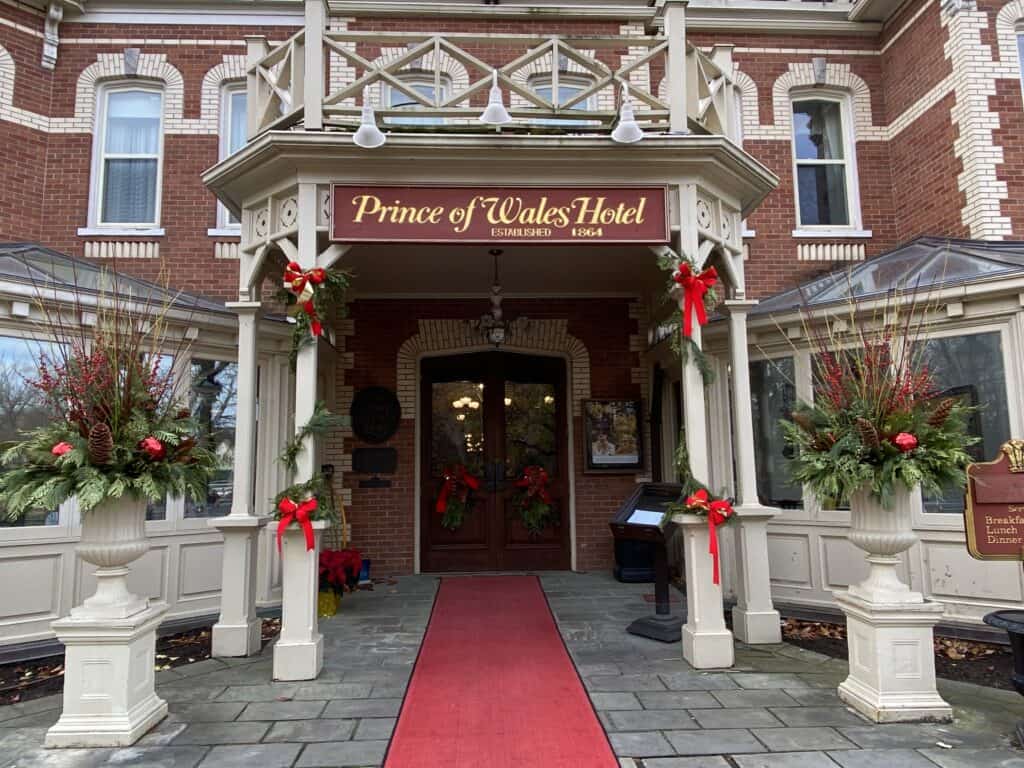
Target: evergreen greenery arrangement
x,y
878,418
118,427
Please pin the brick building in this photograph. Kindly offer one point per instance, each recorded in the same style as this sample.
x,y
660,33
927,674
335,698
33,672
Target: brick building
x,y
865,125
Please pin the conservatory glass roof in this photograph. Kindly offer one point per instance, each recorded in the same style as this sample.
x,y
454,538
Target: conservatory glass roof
x,y
40,267
926,263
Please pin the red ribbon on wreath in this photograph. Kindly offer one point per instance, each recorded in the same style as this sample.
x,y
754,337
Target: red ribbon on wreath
x,y
694,288
717,513
535,480
292,512
300,284
456,478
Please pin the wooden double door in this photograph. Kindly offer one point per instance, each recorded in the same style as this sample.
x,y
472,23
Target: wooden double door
x,y
495,414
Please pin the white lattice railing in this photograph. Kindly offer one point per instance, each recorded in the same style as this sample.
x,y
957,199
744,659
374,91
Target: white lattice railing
x,y
346,67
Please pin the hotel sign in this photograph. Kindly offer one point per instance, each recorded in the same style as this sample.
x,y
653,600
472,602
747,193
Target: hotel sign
x,y
994,507
471,214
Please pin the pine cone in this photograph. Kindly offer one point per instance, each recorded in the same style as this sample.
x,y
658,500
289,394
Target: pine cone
x,y
101,444
823,442
941,412
803,421
868,434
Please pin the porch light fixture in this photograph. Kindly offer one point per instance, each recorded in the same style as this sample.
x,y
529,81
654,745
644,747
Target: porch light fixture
x,y
495,114
627,131
492,325
368,136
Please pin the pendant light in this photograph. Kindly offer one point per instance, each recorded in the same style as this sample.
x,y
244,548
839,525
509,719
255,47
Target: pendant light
x,y
369,136
627,131
495,114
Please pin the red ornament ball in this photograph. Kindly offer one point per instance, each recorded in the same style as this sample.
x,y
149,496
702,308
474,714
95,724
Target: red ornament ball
x,y
153,448
905,441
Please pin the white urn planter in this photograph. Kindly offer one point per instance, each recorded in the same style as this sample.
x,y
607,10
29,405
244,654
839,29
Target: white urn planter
x,y
889,626
110,639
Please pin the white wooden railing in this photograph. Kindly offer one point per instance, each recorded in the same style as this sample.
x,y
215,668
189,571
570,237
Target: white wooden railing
x,y
318,78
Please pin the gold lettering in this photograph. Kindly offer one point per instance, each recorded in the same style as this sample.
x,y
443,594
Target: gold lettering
x,y
364,203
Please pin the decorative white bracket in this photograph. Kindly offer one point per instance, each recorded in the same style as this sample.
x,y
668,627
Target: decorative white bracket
x,y
51,32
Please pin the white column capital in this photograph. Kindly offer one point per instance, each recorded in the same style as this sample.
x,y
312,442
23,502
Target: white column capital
x,y
756,512
740,306
244,307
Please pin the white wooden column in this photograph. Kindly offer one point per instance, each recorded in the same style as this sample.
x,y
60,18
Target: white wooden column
x,y
313,68
237,631
298,654
754,618
675,31
707,642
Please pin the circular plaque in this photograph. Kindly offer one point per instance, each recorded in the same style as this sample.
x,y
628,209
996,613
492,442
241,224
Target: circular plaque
x,y
375,414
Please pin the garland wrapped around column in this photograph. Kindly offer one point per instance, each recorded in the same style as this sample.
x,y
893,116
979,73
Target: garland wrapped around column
x,y
311,295
700,296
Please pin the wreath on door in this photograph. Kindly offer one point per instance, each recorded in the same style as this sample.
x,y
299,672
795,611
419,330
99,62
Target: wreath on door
x,y
455,499
533,501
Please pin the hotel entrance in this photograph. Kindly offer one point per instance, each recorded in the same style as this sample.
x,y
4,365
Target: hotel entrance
x,y
487,419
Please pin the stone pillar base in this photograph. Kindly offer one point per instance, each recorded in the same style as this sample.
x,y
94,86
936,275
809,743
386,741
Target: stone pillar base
x,y
109,699
299,661
892,661
757,627
231,640
708,650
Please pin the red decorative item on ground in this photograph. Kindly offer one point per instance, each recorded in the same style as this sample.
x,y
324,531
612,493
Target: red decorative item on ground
x,y
718,511
290,511
694,288
338,567
300,284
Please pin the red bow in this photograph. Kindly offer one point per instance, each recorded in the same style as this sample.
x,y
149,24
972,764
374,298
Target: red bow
x,y
300,512
535,481
717,512
694,288
456,477
300,284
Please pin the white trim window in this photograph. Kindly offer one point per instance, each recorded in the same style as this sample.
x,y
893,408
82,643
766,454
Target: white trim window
x,y
425,84
232,138
824,165
127,158
569,87
1020,57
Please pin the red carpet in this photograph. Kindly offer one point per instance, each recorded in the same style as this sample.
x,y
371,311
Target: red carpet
x,y
494,686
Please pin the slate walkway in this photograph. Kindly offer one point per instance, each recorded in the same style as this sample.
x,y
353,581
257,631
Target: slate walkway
x,y
776,709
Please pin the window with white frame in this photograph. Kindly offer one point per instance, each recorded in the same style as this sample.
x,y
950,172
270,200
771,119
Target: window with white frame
x,y
128,157
970,368
824,166
569,87
232,138
213,399
772,399
423,83
23,407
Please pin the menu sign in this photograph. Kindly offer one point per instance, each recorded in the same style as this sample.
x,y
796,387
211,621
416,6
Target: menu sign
x,y
994,507
469,214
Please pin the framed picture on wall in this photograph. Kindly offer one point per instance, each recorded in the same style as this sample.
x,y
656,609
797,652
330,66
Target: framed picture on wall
x,y
612,438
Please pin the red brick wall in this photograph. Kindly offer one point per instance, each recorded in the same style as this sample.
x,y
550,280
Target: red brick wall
x,y
382,519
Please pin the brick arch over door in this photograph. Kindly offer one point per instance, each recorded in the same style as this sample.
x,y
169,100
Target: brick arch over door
x,y
537,336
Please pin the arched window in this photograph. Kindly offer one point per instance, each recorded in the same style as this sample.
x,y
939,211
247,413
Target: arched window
x,y
569,87
824,163
424,84
128,157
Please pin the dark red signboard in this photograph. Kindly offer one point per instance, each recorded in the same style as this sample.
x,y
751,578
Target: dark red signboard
x,y
469,214
994,508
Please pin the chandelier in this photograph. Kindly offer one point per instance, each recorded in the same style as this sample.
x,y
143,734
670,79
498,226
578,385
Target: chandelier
x,y
492,325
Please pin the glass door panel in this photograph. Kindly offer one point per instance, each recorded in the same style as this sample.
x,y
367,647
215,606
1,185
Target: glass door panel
x,y
457,421
530,428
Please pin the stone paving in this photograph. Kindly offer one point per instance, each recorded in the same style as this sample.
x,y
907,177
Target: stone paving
x,y
776,709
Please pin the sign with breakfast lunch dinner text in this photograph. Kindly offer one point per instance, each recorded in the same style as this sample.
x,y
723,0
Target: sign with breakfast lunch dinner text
x,y
472,214
994,505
